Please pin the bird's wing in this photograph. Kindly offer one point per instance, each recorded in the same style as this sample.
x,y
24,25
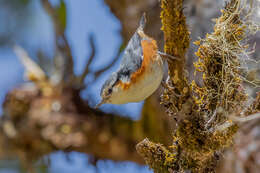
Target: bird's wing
x,y
133,54
132,58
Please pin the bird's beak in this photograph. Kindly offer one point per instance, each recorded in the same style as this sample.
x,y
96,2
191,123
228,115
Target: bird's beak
x,y
100,103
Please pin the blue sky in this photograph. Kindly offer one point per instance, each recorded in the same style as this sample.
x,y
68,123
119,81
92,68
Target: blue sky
x,y
84,17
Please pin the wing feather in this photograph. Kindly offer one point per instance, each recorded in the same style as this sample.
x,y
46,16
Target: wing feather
x,y
133,55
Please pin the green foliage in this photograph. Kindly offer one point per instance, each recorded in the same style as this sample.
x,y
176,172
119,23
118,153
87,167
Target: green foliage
x,y
62,15
24,1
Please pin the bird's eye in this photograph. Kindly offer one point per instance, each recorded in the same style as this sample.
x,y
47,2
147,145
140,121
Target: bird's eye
x,y
109,90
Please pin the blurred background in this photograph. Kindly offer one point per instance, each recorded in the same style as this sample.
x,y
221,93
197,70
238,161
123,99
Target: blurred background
x,y
93,34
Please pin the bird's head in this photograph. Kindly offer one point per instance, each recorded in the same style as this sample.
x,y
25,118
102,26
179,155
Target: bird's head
x,y
108,89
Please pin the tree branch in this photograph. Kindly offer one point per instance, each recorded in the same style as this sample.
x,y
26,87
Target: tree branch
x,y
90,59
59,21
176,38
194,147
62,121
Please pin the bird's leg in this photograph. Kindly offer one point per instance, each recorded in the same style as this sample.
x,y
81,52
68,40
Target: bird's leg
x,y
167,56
163,83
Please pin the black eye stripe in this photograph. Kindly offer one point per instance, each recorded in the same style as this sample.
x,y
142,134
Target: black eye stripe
x,y
109,90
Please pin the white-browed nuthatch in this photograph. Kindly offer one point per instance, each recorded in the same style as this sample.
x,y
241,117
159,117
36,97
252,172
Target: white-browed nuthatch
x,y
140,73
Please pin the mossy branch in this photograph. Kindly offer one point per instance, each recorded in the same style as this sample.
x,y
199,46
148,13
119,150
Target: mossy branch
x,y
176,38
157,156
35,124
206,129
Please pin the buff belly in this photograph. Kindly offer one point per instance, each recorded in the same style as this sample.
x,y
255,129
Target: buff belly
x,y
143,88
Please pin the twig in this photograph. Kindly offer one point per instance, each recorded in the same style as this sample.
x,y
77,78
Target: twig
x,y
245,119
234,119
223,126
60,37
68,56
51,11
90,59
211,118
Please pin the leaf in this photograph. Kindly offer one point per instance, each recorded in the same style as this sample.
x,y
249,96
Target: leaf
x,y
25,2
61,11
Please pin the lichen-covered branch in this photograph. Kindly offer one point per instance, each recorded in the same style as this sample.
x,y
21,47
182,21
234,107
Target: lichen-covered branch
x,y
157,156
177,40
205,127
35,124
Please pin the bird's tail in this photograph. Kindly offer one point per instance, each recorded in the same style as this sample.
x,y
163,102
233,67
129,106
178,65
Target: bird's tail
x,y
142,22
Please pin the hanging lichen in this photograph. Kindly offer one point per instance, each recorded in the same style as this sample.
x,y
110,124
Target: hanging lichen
x,y
203,112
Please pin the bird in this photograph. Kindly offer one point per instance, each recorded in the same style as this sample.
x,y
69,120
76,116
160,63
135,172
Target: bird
x,y
140,73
